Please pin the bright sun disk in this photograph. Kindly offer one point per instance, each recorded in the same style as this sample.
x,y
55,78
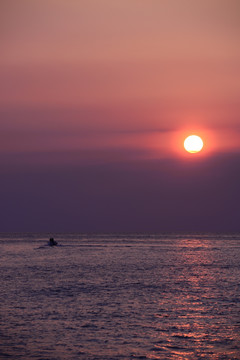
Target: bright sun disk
x,y
193,144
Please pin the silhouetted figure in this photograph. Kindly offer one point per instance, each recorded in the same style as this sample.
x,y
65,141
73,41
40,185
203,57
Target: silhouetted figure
x,y
52,242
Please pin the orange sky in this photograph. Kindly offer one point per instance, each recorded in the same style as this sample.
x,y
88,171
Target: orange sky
x,y
96,99
104,74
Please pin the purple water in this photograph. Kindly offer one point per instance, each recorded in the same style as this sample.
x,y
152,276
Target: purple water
x,y
120,297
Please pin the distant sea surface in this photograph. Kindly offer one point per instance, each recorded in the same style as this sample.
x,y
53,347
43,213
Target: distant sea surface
x,y
141,296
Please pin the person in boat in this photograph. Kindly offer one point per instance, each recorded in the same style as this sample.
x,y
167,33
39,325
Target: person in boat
x,y
52,242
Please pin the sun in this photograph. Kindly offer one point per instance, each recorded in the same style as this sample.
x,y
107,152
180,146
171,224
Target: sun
x,y
193,144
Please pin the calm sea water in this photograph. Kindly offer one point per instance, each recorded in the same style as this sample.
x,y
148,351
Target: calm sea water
x,y
120,297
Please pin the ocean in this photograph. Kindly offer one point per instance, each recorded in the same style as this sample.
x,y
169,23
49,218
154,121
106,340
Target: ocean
x,y
120,296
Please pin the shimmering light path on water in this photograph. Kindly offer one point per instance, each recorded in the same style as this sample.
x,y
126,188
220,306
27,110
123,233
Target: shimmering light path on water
x,y
120,297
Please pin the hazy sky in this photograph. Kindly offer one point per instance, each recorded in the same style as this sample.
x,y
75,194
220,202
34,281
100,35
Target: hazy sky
x,y
96,98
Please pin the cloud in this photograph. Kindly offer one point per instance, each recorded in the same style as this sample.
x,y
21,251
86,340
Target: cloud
x,y
138,195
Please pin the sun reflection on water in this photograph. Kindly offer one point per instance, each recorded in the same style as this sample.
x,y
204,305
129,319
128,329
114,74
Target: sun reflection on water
x,y
195,324
131,297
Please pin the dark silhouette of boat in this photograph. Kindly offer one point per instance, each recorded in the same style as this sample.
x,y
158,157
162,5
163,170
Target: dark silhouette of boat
x,y
52,242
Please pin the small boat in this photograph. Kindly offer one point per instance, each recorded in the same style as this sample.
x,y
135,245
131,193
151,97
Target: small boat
x,y
52,242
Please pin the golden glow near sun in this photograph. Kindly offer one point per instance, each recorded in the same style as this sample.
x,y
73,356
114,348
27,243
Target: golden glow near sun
x,y
193,144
